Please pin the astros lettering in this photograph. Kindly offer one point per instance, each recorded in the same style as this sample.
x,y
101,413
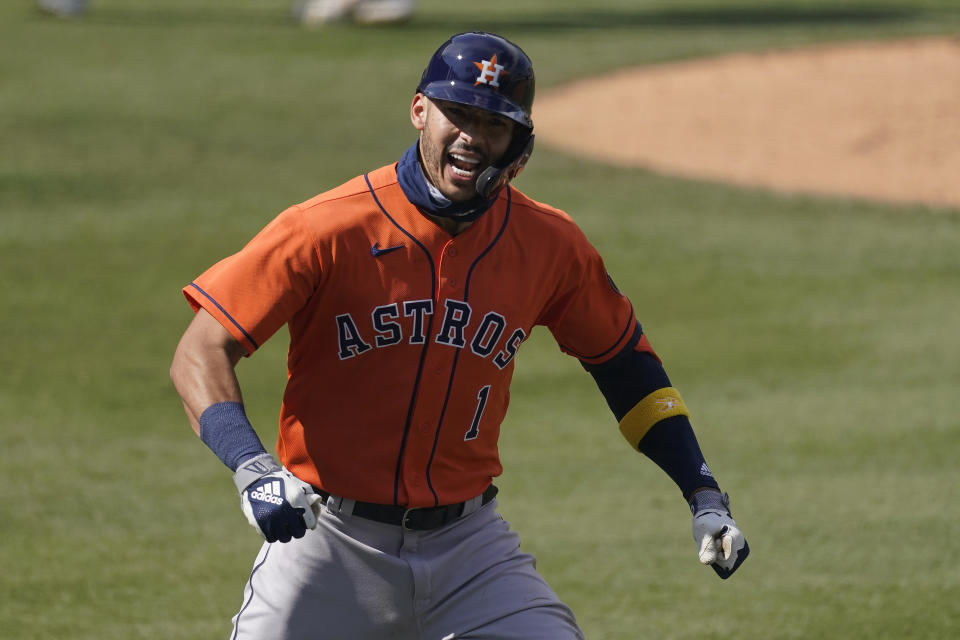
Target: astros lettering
x,y
455,330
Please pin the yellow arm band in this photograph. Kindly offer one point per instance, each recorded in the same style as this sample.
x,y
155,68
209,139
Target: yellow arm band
x,y
661,404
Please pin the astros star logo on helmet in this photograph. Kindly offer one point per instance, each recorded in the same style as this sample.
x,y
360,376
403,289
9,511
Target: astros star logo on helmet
x,y
490,72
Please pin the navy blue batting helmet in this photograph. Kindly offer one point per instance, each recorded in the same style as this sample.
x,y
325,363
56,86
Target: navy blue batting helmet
x,y
482,70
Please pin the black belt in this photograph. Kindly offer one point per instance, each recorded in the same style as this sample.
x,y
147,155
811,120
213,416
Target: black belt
x,y
417,519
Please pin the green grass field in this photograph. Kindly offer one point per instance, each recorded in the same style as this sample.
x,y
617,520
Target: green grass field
x,y
814,339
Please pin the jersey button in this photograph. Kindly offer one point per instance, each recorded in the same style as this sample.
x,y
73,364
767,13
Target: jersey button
x,y
452,282
452,251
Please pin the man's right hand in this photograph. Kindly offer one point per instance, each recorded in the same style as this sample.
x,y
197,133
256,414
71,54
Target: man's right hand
x,y
277,504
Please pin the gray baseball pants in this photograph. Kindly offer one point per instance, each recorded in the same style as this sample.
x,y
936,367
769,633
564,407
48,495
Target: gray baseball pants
x,y
356,579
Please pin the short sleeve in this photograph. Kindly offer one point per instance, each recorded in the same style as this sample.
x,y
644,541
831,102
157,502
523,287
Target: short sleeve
x,y
589,317
257,290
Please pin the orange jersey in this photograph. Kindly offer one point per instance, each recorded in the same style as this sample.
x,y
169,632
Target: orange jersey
x,y
402,337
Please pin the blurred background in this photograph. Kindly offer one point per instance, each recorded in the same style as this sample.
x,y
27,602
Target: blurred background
x,y
814,339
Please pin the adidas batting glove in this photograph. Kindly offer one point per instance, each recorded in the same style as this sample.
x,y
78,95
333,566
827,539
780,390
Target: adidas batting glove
x,y
719,542
277,504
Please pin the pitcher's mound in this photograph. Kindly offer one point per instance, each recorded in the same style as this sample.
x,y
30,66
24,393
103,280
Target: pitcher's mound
x,y
872,120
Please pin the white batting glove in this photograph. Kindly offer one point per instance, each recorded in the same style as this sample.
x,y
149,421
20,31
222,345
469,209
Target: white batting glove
x,y
720,543
279,505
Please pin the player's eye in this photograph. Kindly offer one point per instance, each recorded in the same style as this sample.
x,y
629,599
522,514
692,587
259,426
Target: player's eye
x,y
453,110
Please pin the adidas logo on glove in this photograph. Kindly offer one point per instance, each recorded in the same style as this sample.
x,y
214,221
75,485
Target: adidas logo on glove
x,y
271,492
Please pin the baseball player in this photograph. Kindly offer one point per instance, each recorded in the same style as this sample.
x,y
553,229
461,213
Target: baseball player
x,y
408,292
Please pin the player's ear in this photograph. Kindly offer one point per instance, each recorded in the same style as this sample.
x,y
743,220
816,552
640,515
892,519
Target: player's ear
x,y
418,111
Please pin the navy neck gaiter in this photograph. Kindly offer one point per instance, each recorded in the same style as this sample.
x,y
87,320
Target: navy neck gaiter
x,y
428,198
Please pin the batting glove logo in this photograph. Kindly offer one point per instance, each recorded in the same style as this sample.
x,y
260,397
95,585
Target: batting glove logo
x,y
279,505
271,492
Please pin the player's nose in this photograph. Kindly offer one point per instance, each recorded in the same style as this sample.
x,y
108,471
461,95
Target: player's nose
x,y
474,136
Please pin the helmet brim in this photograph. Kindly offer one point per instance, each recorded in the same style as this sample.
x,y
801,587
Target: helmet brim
x,y
455,91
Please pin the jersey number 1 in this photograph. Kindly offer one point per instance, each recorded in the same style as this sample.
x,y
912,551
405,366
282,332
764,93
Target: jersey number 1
x,y
481,404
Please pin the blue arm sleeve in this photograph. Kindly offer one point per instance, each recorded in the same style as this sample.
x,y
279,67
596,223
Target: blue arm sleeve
x,y
628,378
671,443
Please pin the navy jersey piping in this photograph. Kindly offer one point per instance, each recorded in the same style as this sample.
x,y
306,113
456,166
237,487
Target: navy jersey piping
x,y
423,352
631,322
227,314
627,348
456,356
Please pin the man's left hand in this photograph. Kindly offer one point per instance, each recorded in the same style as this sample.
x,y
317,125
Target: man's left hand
x,y
720,542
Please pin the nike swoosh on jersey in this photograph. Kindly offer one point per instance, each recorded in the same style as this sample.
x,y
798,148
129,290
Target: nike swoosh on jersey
x,y
376,251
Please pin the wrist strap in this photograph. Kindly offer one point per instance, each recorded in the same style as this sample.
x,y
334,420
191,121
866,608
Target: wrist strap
x,y
254,469
709,500
224,428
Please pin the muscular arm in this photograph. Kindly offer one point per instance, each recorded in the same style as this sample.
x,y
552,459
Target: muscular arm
x,y
203,367
203,371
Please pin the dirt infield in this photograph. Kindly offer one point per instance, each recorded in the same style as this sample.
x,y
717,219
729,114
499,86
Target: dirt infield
x,y
872,120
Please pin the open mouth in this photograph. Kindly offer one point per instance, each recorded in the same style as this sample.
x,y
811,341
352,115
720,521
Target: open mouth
x,y
463,166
